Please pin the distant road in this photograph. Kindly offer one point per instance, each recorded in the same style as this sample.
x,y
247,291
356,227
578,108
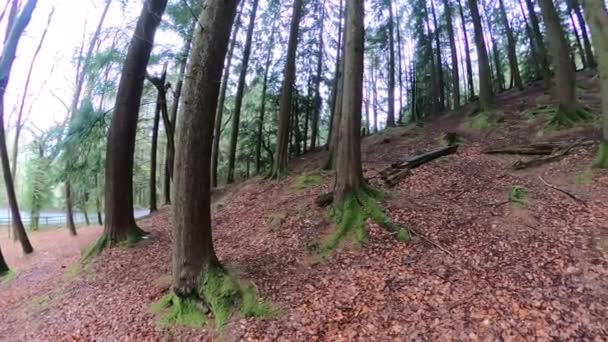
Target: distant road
x,y
56,217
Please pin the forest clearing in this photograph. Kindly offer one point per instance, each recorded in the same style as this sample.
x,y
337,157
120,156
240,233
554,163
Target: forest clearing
x,y
334,171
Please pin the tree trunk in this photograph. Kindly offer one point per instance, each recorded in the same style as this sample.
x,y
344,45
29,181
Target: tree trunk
x,y
454,55
98,202
535,58
597,18
240,89
307,114
434,95
193,251
399,71
260,134
19,124
153,149
467,53
349,172
440,83
120,223
500,78
372,66
565,81
337,71
586,42
511,47
6,64
3,266
485,81
86,215
314,125
69,206
281,154
390,116
577,42
540,45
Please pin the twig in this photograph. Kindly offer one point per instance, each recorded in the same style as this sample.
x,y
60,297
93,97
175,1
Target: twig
x,y
569,194
432,243
458,195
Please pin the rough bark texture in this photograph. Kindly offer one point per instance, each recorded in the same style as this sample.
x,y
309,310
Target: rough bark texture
x,y
349,173
219,113
453,54
597,18
390,116
319,74
120,223
539,43
193,249
240,90
260,133
565,81
6,64
485,82
512,53
467,53
282,152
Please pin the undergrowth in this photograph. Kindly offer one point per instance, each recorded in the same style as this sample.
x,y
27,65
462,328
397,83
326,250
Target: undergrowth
x,y
518,195
309,180
480,121
220,294
350,219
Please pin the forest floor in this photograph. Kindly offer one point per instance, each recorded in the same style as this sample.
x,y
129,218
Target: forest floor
x,y
492,271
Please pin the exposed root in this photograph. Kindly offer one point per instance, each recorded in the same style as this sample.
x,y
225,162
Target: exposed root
x,y
219,294
351,216
96,249
565,118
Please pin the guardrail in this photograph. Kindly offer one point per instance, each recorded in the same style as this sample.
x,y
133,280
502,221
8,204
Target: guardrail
x,y
43,220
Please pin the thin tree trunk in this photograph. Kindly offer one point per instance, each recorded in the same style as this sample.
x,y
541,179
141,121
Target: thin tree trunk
x,y
349,172
6,63
440,83
434,95
240,89
586,41
512,53
500,77
577,42
153,149
3,266
485,81
540,45
307,115
535,57
374,95
19,124
120,223
281,154
98,202
69,206
215,150
260,133
399,71
467,53
390,116
337,71
319,75
193,251
86,215
454,55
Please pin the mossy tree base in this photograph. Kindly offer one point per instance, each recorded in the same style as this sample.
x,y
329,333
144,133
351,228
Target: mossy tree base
x,y
219,294
601,160
563,117
277,174
351,216
129,240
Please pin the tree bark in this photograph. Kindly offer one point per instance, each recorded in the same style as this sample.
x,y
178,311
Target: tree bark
x,y
565,81
434,95
440,83
98,202
260,133
349,172
120,222
512,53
240,89
500,78
586,41
485,81
467,53
533,52
540,45
3,266
193,251
6,63
390,116
282,153
336,81
454,55
215,150
319,75
577,42
153,151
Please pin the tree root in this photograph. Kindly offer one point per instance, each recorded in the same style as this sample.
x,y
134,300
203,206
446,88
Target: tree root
x,y
219,295
565,118
351,217
557,154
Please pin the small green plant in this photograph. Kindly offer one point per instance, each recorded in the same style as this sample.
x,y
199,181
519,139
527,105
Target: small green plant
x,y
403,235
175,310
518,195
480,121
309,180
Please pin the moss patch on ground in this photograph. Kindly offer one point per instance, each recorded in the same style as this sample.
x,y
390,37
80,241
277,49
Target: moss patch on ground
x,y
518,195
308,180
480,121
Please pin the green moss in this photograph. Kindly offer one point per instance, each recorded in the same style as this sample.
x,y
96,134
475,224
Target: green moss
x,y
480,121
7,276
601,160
403,235
96,249
179,311
518,195
584,177
131,241
563,118
306,181
252,306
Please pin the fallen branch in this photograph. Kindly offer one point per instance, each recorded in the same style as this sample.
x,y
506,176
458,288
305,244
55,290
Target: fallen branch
x,y
567,193
534,149
521,164
391,175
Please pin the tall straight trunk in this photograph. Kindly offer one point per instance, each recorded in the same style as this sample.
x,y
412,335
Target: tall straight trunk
x,y
586,41
120,222
281,154
98,202
500,77
260,133
367,112
337,77
69,206
153,150
390,116
440,83
540,44
193,251
467,53
512,53
399,71
19,124
240,89
217,133
434,94
533,52
183,61
597,18
12,14
297,136
485,82
349,172
307,111
454,55
565,81
314,125
372,73
20,22
87,221
577,42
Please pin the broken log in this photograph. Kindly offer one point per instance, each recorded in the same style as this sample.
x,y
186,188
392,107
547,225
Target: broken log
x,y
395,172
534,149
557,154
